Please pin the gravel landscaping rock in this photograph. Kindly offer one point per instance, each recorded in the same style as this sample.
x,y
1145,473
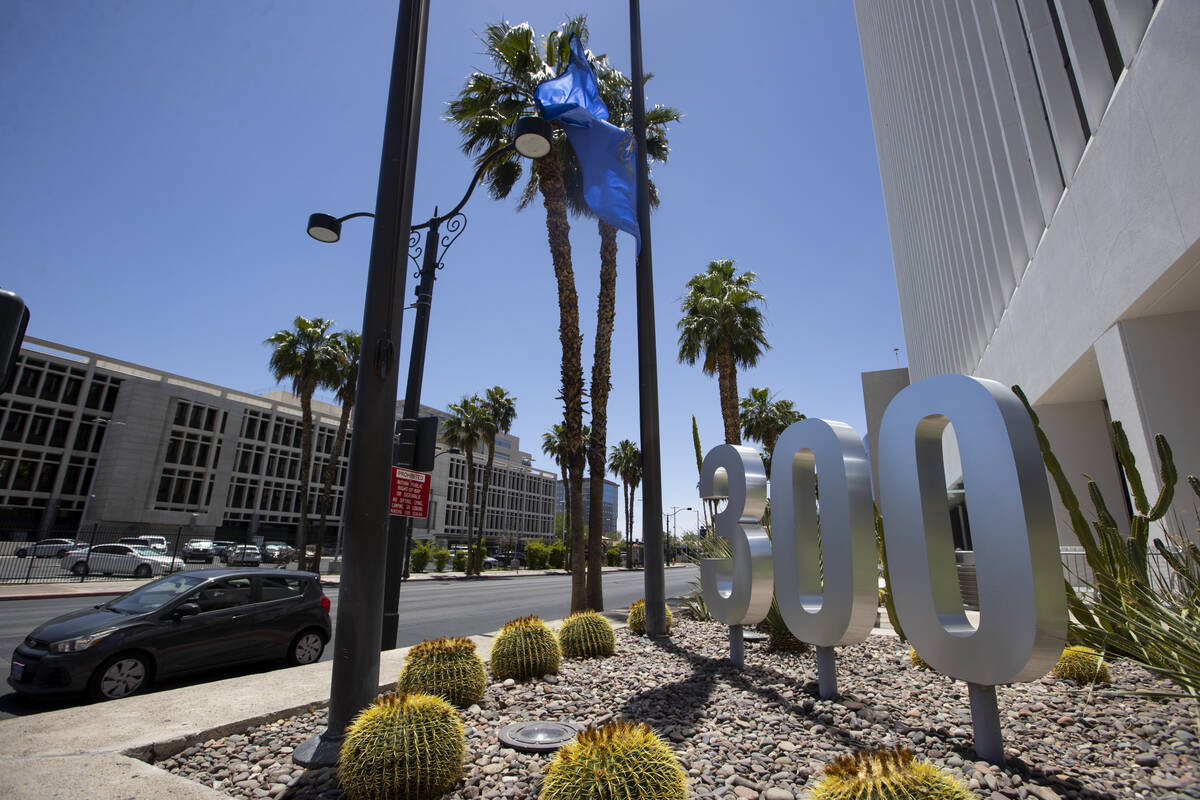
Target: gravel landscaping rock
x,y
762,733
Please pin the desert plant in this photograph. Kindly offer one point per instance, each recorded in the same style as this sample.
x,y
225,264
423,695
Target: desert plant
x,y
586,634
449,668
621,759
441,557
886,774
418,558
694,605
779,638
1082,665
637,618
402,745
885,593
525,648
914,658
1151,617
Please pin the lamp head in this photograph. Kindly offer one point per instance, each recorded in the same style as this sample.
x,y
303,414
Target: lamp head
x,y
324,228
532,137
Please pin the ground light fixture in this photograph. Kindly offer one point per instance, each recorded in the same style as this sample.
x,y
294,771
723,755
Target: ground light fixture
x,y
543,736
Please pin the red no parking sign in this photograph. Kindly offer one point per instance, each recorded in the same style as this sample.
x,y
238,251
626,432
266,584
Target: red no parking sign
x,y
410,493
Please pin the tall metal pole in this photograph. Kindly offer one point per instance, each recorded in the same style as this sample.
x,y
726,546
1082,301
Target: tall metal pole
x,y
400,528
360,607
656,618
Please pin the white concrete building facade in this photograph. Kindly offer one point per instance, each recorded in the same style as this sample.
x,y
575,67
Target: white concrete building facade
x,y
1042,183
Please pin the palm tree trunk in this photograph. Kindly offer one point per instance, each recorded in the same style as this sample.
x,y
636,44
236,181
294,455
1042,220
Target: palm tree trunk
x,y
601,372
331,467
566,517
628,527
558,231
305,475
474,562
727,383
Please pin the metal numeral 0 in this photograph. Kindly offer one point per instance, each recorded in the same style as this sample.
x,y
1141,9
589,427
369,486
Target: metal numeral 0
x,y
840,609
1023,614
737,590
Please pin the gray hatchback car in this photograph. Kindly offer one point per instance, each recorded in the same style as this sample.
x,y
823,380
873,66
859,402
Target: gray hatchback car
x,y
183,623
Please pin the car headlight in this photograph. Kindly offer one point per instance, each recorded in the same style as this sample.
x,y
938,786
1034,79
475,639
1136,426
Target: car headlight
x,y
79,643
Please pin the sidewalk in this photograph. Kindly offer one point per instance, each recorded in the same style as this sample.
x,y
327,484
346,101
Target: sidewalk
x,y
35,591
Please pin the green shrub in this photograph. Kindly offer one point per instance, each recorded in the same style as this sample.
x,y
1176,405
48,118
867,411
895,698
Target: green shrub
x,y
612,557
891,774
621,759
586,634
418,558
460,561
537,555
525,648
441,557
1082,665
637,618
409,746
449,668
558,555
694,605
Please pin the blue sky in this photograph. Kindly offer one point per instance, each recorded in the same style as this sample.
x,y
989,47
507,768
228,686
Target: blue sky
x,y
159,161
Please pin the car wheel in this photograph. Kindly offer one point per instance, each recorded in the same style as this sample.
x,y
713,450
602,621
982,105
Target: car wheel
x,y
21,553
80,568
120,676
142,571
306,648
61,553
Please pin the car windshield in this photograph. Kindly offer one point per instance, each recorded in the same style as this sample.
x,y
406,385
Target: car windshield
x,y
154,595
144,550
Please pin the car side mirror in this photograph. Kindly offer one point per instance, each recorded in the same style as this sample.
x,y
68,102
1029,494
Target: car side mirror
x,y
186,610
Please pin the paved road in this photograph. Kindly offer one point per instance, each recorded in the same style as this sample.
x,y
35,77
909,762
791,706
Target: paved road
x,y
428,609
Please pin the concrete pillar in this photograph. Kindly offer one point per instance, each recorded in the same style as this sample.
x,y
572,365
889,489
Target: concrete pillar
x,y
878,390
1152,383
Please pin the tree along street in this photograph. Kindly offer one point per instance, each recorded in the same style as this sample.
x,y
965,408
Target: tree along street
x,y
428,609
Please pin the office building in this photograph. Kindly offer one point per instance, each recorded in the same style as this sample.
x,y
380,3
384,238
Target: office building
x,y
1040,177
609,512
87,439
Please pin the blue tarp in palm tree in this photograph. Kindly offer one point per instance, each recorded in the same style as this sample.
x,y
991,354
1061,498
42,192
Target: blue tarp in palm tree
x,y
605,152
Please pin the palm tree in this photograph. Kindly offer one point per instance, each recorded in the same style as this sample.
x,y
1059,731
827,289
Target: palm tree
x,y
723,325
484,113
343,380
625,461
499,412
763,419
464,430
303,354
615,91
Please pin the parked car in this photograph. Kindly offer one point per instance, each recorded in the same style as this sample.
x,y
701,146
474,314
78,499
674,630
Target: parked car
x,y
243,554
119,559
159,543
178,624
276,553
490,563
511,560
134,541
198,550
49,548
220,546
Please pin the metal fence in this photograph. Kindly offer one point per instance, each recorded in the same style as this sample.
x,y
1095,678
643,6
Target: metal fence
x,y
32,557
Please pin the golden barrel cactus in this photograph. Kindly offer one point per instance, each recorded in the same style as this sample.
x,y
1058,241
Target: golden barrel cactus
x,y
1082,665
449,668
525,648
618,760
586,634
402,746
637,618
887,774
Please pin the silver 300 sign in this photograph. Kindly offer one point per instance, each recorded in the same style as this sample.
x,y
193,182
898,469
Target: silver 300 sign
x,y
825,582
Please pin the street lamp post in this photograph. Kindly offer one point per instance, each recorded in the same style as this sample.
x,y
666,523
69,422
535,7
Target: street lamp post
x,y
531,139
673,515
